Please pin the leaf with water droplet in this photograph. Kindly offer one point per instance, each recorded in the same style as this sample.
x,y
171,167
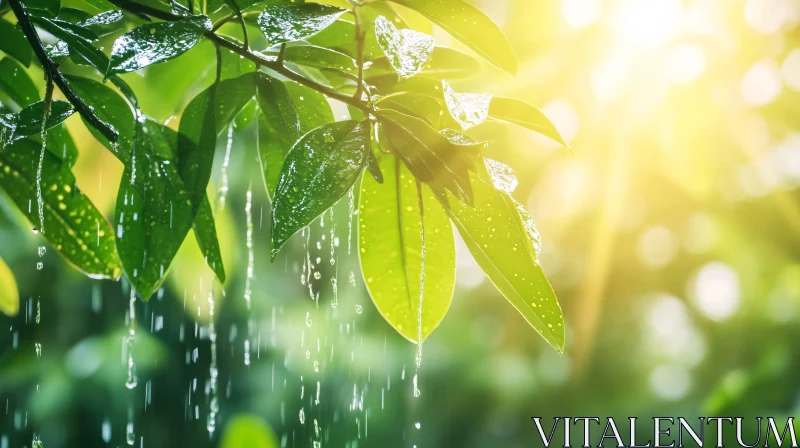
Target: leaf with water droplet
x,y
248,431
468,109
104,23
502,245
153,214
523,114
390,250
444,63
78,44
278,128
321,168
155,42
110,107
74,227
407,50
14,43
28,121
290,23
44,8
470,26
9,294
428,154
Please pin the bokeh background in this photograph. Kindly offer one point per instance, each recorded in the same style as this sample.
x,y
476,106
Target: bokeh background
x,y
671,238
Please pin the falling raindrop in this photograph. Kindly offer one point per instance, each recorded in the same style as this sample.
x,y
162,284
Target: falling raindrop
x,y
223,183
131,380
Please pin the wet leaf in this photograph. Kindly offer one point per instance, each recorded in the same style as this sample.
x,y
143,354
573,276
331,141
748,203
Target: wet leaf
x,y
390,250
155,42
9,294
14,43
501,244
282,24
320,169
104,23
444,63
43,8
407,50
469,25
341,36
429,155
78,44
278,128
206,116
312,107
248,431
468,109
29,120
153,213
73,226
110,107
523,114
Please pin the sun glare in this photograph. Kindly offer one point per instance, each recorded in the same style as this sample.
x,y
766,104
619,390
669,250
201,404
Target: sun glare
x,y
644,24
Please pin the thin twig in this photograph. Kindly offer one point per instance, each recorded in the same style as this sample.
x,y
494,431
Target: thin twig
x,y
52,72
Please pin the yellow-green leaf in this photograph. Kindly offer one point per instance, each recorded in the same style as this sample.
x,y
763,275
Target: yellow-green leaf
x,y
248,431
9,294
499,241
390,247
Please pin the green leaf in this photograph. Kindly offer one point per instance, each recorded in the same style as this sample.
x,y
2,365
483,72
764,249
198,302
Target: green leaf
x,y
498,239
248,431
76,29
341,36
282,24
105,23
444,63
153,214
278,128
523,114
155,42
76,43
14,43
390,250
15,82
110,107
9,294
205,232
471,27
29,120
407,50
43,8
321,168
428,154
320,57
73,226
206,116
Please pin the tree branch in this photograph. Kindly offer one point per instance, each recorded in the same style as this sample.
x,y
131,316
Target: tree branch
x,y
52,72
271,64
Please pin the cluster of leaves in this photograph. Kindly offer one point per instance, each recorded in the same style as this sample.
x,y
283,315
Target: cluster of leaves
x,y
406,128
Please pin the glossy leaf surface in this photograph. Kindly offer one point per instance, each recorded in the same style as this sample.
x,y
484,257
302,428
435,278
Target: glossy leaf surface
x,y
523,114
29,120
320,169
282,24
156,42
407,50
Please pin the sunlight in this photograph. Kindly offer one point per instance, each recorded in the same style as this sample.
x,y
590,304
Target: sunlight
x,y
645,24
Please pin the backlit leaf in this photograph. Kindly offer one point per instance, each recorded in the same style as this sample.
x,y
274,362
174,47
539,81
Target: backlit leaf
x,y
278,128
73,226
9,294
523,114
320,57
500,243
469,25
390,250
29,120
407,50
320,169
155,42
282,24
444,63
468,109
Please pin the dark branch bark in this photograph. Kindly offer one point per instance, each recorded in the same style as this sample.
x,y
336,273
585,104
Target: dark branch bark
x,y
52,72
